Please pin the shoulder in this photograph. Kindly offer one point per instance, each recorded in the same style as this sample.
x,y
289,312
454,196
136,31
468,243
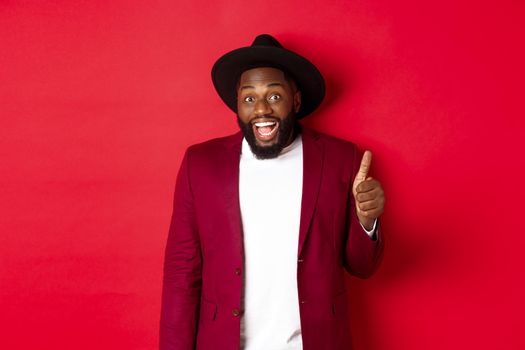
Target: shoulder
x,y
330,142
339,155
213,146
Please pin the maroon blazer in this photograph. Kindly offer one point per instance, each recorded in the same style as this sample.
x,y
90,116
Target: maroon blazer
x,y
201,298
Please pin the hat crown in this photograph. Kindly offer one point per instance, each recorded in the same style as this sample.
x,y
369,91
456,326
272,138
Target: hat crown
x,y
266,40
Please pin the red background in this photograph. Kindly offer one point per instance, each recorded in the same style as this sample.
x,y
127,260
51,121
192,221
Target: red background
x,y
98,101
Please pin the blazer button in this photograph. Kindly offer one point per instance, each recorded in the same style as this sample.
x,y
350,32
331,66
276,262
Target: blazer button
x,y
300,260
236,312
237,271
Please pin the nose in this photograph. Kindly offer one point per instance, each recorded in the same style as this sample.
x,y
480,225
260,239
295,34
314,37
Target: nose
x,y
261,108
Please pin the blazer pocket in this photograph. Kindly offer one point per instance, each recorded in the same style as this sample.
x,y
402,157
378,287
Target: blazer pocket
x,y
208,310
339,303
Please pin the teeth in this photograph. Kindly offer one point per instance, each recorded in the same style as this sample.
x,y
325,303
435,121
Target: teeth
x,y
261,124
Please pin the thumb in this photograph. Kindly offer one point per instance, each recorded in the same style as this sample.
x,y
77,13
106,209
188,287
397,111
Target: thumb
x,y
363,168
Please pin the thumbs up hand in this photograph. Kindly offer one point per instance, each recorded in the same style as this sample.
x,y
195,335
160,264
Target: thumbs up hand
x,y
368,194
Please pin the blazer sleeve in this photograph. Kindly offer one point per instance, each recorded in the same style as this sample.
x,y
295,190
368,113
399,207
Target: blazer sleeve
x,y
182,281
362,252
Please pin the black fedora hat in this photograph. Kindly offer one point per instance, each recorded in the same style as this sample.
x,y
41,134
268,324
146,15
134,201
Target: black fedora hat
x,y
266,51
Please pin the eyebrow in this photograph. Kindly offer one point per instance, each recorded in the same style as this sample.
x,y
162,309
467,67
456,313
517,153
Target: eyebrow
x,y
253,87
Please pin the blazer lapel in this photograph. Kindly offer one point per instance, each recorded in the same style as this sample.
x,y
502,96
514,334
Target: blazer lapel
x,y
229,177
313,155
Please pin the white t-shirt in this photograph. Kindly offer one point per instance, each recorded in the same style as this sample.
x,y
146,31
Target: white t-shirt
x,y
270,193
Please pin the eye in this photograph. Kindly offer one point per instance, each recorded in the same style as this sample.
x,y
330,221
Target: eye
x,y
275,97
249,99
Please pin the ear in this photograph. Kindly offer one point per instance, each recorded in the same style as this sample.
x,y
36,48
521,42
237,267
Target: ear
x,y
297,101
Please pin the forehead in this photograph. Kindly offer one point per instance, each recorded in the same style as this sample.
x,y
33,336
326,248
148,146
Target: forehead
x,y
262,75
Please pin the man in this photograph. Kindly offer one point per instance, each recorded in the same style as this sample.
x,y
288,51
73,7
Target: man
x,y
266,221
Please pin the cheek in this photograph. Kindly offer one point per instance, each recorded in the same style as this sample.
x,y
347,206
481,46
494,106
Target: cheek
x,y
283,108
243,113
239,107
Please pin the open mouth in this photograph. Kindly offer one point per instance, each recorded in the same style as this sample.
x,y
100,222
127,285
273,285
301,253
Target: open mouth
x,y
266,130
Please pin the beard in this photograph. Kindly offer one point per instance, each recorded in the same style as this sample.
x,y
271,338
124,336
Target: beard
x,y
287,127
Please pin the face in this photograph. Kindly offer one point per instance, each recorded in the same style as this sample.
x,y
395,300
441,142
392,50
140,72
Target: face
x,y
266,105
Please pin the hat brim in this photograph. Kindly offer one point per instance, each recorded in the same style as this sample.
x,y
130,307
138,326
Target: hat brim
x,y
228,69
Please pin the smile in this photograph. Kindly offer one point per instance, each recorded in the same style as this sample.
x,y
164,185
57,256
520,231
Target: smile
x,y
265,130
